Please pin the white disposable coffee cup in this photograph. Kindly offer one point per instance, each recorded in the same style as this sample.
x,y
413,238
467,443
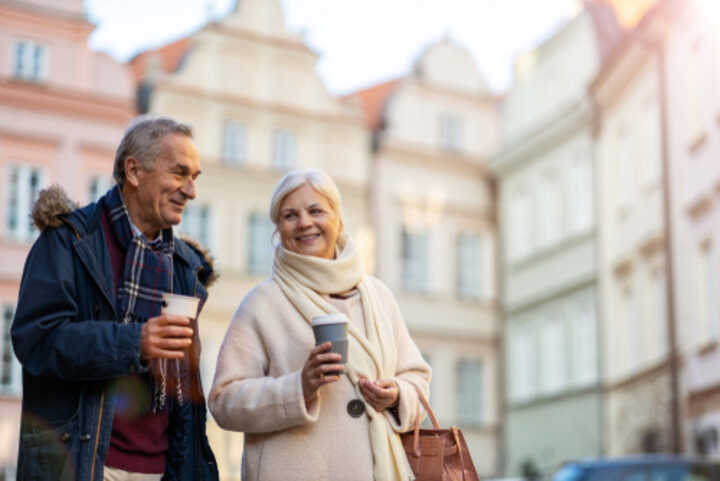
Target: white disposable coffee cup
x,y
180,305
333,328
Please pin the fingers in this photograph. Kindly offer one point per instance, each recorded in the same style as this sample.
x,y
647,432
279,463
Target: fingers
x,y
165,336
380,394
155,353
380,389
166,319
168,325
321,354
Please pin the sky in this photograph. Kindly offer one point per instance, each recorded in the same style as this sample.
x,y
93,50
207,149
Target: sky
x,y
360,42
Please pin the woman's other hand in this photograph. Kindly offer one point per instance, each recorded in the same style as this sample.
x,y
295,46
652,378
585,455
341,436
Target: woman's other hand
x,y
315,372
381,394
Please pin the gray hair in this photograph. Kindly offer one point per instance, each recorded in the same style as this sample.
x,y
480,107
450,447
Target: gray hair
x,y
315,178
143,140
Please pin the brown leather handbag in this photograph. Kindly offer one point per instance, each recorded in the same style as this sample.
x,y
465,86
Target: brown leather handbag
x,y
437,454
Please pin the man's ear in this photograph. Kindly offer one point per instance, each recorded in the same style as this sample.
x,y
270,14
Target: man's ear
x,y
132,169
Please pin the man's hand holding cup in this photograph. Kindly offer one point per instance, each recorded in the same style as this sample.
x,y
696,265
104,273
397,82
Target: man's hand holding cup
x,y
168,335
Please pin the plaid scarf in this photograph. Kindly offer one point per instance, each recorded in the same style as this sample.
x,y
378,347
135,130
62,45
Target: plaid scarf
x,y
147,275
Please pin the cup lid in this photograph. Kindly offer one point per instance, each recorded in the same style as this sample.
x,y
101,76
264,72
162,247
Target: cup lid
x,y
334,318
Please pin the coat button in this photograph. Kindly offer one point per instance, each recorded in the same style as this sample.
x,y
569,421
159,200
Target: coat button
x,y
85,437
65,437
356,408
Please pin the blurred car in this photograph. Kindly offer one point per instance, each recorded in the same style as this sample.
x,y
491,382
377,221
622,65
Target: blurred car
x,y
640,468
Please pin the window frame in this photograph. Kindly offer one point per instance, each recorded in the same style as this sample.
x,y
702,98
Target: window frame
x,y
14,385
415,260
259,258
284,149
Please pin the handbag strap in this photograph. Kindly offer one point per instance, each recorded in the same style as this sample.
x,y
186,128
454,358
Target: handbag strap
x,y
460,451
428,409
424,402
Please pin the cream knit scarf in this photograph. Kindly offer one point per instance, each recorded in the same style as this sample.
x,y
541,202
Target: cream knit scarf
x,y
304,279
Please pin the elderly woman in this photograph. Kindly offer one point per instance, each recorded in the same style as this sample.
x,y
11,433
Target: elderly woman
x,y
300,421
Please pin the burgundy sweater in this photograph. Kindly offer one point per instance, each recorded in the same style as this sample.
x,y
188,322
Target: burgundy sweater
x,y
139,440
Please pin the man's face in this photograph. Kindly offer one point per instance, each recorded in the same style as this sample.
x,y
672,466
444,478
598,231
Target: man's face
x,y
163,191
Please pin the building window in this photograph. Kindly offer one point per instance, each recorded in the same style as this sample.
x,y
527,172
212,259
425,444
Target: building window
x,y
98,187
580,194
470,266
661,311
234,143
522,365
707,277
29,60
196,223
585,346
651,154
284,149
24,184
415,261
10,371
260,248
699,83
625,167
450,133
631,305
470,392
520,227
552,357
550,222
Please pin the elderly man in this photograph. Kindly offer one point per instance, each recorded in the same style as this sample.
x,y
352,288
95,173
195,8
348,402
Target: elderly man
x,y
111,386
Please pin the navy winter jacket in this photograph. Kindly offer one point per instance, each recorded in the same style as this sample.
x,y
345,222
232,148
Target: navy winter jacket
x,y
72,348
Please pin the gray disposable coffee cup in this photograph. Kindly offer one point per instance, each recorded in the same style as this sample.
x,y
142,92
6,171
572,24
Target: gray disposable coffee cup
x,y
333,328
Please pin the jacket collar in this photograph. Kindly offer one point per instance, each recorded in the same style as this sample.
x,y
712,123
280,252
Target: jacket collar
x,y
91,247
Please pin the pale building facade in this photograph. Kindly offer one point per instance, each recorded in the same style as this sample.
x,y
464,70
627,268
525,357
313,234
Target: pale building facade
x,y
250,89
434,131
63,109
693,79
631,247
547,210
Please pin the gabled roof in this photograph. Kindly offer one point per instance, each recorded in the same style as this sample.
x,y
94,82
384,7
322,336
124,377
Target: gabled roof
x,y
170,57
373,100
629,38
608,30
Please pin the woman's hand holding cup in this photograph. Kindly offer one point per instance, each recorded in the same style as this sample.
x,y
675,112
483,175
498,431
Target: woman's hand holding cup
x,y
322,367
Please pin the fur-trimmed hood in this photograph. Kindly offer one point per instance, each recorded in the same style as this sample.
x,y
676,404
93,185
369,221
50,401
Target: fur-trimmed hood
x,y
53,205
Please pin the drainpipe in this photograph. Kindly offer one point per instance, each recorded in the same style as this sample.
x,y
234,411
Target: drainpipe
x,y
501,384
673,351
598,294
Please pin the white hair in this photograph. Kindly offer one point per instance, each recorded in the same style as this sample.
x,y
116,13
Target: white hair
x,y
315,178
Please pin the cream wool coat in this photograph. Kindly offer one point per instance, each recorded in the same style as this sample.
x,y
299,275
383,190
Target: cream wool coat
x,y
258,390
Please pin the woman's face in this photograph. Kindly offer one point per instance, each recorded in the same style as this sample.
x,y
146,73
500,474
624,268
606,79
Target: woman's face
x,y
307,225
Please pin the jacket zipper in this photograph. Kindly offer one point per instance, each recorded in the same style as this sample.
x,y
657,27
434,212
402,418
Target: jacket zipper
x,y
196,436
102,396
196,421
97,436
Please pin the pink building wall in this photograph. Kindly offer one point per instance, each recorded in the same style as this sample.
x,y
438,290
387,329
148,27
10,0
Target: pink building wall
x,y
63,109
